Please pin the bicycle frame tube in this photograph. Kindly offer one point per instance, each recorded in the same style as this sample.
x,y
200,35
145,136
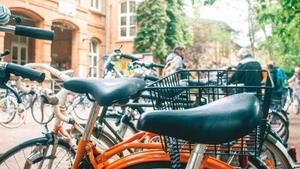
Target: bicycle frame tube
x,y
84,142
152,152
156,155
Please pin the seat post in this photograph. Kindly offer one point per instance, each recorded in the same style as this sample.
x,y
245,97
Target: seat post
x,y
196,156
91,122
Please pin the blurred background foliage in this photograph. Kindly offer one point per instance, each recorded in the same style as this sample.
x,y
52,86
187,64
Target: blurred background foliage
x,y
163,24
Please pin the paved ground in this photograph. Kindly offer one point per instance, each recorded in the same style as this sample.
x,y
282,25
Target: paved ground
x,y
12,137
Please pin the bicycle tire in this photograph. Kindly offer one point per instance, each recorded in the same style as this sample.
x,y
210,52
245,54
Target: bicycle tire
x,y
42,113
272,153
10,114
279,125
284,114
81,107
30,153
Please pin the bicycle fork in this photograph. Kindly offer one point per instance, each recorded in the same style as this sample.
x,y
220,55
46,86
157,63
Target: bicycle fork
x,y
39,153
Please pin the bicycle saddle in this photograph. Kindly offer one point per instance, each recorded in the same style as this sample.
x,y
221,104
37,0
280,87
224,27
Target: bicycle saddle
x,y
106,91
218,122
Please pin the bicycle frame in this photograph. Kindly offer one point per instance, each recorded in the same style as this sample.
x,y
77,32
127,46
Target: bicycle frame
x,y
150,151
153,152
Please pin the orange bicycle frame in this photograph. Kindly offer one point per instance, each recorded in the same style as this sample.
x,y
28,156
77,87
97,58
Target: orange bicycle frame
x,y
150,152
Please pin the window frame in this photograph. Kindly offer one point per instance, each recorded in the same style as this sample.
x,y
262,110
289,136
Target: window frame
x,y
94,5
128,17
93,58
20,46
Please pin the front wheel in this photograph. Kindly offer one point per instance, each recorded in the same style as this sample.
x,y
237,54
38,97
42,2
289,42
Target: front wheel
x,y
279,125
12,115
273,154
36,153
41,112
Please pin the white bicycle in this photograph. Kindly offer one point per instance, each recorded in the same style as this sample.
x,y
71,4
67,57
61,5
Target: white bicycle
x,y
292,99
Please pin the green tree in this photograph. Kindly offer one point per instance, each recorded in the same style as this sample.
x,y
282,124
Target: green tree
x,y
283,16
162,25
152,21
179,31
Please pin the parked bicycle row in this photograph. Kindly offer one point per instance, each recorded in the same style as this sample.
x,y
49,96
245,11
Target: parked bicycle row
x,y
199,122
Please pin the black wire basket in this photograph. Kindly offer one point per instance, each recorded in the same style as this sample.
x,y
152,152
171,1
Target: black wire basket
x,y
174,93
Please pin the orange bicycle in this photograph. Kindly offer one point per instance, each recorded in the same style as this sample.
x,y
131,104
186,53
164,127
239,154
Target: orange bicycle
x,y
208,124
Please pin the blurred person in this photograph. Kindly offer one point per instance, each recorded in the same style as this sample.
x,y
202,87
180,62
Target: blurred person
x,y
276,80
280,74
174,62
294,81
246,71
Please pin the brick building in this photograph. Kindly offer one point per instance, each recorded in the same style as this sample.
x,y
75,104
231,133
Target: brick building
x,y
85,30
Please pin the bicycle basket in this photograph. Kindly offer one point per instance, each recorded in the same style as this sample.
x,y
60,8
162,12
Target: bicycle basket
x,y
173,93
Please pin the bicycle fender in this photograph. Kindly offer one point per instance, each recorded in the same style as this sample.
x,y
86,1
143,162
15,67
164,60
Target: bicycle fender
x,y
282,149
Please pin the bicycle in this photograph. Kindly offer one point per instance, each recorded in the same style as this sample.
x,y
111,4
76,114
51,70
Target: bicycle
x,y
13,114
134,146
38,149
116,150
34,156
292,99
125,115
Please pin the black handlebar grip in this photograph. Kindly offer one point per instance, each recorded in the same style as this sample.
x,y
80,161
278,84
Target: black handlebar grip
x,y
132,58
25,72
151,78
33,32
158,65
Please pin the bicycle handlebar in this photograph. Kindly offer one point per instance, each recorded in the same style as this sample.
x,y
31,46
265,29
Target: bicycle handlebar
x,y
20,30
132,58
148,65
23,71
151,78
57,99
28,31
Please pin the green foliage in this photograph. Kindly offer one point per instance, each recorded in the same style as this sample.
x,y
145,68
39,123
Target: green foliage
x,y
205,2
162,26
284,18
152,20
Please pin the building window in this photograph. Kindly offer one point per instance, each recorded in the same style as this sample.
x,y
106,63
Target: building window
x,y
19,49
94,53
127,19
95,5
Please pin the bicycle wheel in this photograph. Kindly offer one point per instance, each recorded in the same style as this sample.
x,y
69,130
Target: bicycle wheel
x,y
12,115
35,153
272,153
81,107
41,112
279,125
